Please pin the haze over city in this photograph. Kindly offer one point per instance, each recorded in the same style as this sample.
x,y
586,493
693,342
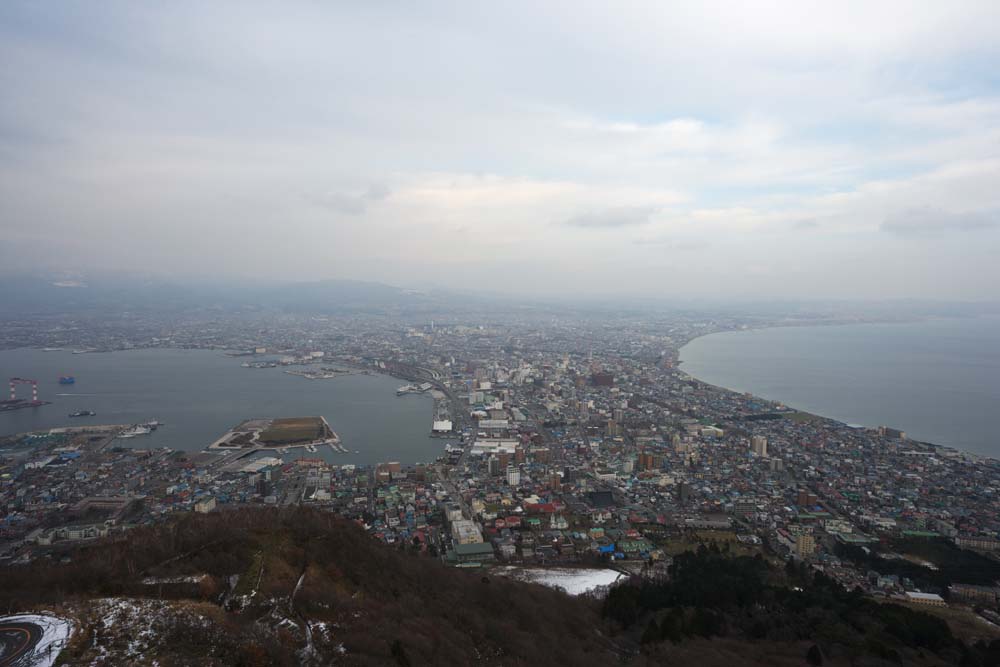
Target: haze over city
x,y
832,150
499,333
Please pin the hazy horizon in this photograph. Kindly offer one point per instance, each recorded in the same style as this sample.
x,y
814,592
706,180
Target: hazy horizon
x,y
729,151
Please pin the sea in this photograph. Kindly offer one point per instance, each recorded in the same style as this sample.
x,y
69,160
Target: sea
x,y
200,394
938,380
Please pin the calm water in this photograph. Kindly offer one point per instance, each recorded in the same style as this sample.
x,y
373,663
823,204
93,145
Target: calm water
x,y
199,394
939,381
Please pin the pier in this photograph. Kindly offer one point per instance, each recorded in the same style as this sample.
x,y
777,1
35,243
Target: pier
x,y
280,435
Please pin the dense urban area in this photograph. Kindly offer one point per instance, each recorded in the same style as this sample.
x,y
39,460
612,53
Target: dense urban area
x,y
567,444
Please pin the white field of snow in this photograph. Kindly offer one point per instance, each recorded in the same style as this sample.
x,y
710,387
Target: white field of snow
x,y
55,633
574,581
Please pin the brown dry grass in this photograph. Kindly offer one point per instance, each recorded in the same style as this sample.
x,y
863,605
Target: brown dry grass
x,y
293,429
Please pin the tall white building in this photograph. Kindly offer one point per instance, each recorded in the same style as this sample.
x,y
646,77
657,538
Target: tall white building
x,y
513,476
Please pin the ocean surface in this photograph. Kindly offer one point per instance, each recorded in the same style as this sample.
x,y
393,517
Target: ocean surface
x,y
199,394
937,380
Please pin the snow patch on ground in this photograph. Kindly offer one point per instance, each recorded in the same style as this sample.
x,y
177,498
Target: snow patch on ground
x,y
575,581
55,633
192,579
131,627
298,585
287,622
320,628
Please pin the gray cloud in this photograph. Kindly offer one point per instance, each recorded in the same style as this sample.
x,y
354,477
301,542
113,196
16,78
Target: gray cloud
x,y
137,115
671,243
620,216
378,192
804,225
929,220
352,204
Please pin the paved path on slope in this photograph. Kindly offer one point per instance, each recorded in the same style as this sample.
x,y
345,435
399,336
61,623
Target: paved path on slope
x,y
17,639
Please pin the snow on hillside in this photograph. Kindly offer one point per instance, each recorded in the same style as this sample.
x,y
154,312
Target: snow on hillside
x,y
132,627
55,633
574,581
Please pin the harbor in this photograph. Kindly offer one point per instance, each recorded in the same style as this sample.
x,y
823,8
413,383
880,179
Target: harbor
x,y
325,373
414,389
191,391
281,435
20,403
15,403
136,430
442,424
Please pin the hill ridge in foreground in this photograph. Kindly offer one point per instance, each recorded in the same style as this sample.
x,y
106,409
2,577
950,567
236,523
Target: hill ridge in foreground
x,y
299,586
288,587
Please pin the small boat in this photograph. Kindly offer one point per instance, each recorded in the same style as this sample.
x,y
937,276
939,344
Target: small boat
x,y
83,413
66,379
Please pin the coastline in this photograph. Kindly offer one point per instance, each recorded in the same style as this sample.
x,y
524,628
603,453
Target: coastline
x,y
949,449
405,433
409,374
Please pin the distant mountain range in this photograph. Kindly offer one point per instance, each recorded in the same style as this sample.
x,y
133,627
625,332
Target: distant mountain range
x,y
36,296
50,296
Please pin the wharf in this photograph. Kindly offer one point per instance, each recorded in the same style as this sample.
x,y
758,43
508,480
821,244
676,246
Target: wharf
x,y
275,435
19,403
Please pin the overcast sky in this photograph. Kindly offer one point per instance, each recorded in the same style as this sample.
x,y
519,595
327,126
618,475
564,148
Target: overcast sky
x,y
829,149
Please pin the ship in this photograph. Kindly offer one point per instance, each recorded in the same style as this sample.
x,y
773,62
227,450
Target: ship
x,y
407,389
66,379
83,413
135,431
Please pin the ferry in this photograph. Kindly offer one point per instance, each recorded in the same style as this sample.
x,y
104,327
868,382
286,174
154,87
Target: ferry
x,y
135,431
407,389
83,413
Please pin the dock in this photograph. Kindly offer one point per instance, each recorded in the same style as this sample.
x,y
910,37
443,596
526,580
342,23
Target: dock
x,y
280,435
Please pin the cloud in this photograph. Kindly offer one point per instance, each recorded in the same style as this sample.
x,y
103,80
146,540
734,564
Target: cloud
x,y
929,220
351,203
610,218
765,120
378,192
672,243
